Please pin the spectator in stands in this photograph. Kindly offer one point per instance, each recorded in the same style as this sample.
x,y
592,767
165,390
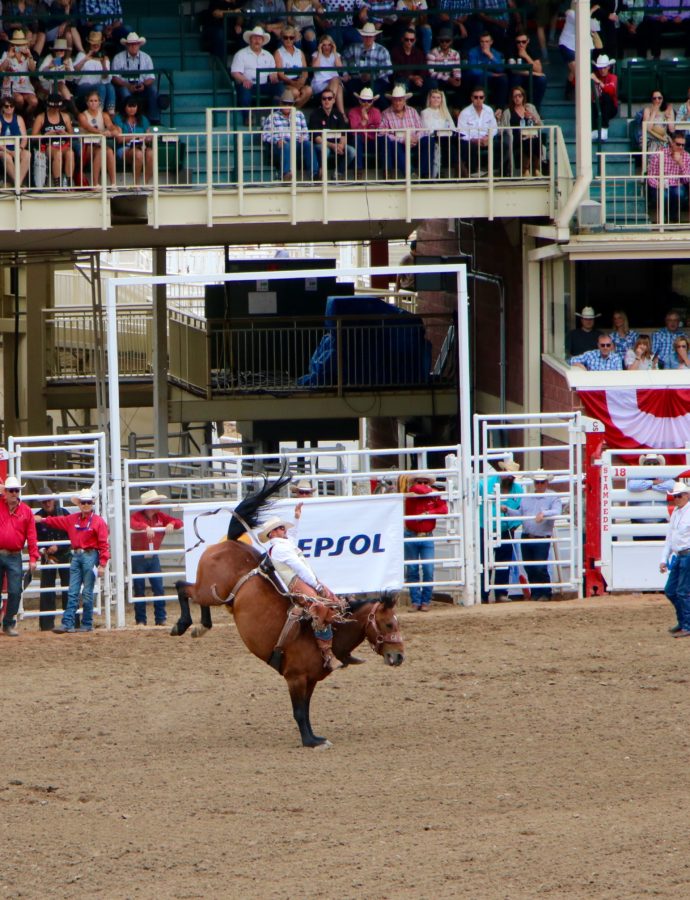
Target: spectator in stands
x,y
478,128
342,20
540,509
18,61
248,61
680,349
659,120
640,356
271,15
365,119
604,97
412,17
94,120
407,53
329,64
437,120
222,27
397,122
663,339
585,336
660,485
133,142
58,61
566,44
494,20
12,125
633,27
676,20
276,138
489,69
132,61
367,54
381,13
67,27
446,79
511,497
17,528
94,69
676,178
301,17
55,125
328,118
623,338
520,56
421,498
88,535
289,56
522,136
105,16
603,359
53,553
458,17
22,15
149,526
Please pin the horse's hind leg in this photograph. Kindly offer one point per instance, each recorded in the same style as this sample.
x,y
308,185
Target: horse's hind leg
x,y
185,619
206,623
300,693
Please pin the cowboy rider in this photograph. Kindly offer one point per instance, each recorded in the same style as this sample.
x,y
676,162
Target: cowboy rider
x,y
292,567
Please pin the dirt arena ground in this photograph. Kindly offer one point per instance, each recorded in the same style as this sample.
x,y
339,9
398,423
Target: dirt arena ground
x,y
523,750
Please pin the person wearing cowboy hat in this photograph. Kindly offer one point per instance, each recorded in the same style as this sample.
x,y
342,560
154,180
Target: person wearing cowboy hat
x,y
250,60
94,69
660,484
401,123
585,337
18,61
133,75
604,96
149,526
301,580
423,502
55,562
58,60
365,120
17,528
303,488
675,558
88,537
510,498
368,55
538,513
276,137
478,128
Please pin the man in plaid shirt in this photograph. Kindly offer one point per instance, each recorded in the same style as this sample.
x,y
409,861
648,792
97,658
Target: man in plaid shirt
x,y
662,340
676,174
277,134
366,54
446,80
396,121
601,360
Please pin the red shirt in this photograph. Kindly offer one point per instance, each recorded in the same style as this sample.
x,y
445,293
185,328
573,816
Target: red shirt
x,y
84,532
18,528
139,522
417,506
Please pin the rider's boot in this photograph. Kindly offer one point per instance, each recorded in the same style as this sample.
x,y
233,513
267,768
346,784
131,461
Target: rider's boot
x,y
330,661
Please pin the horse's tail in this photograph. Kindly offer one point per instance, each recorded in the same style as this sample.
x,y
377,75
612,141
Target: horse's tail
x,y
248,510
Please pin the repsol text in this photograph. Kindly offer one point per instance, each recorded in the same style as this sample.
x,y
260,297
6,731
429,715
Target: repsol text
x,y
357,545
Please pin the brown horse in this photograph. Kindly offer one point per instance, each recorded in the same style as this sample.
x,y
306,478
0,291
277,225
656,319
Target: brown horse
x,y
260,611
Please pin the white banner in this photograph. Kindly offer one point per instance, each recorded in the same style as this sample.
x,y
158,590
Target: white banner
x,y
354,544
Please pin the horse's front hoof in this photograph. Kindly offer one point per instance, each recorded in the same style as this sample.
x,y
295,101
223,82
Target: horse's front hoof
x,y
324,745
179,628
198,631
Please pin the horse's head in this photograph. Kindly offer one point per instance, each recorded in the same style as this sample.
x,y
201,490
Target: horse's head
x,y
383,631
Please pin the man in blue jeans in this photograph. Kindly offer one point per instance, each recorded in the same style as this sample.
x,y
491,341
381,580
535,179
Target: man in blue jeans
x,y
149,527
675,559
421,499
16,529
277,136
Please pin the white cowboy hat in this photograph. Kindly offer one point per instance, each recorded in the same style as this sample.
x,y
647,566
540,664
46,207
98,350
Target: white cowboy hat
x,y
133,38
399,91
152,496
603,62
84,494
679,487
652,459
366,94
588,313
509,465
257,31
302,486
541,475
12,482
369,30
59,44
269,526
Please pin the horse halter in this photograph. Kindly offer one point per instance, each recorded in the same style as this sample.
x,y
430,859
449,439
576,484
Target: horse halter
x,y
380,638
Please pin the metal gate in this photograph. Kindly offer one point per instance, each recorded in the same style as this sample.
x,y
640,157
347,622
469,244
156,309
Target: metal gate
x,y
551,441
58,466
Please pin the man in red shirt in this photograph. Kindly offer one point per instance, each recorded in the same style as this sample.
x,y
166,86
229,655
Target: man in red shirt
x,y
17,528
149,526
420,499
88,535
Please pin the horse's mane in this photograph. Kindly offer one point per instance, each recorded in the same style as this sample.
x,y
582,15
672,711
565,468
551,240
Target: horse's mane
x,y
251,509
387,598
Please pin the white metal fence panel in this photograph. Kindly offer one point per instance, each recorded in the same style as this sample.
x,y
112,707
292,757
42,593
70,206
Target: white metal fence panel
x,y
552,441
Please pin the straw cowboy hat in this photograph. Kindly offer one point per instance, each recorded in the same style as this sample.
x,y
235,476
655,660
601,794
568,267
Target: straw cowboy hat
x,y
95,37
152,496
588,313
59,44
271,524
366,94
509,465
303,486
19,38
399,91
652,459
257,31
603,62
369,30
84,494
287,97
133,38
679,487
541,475
12,482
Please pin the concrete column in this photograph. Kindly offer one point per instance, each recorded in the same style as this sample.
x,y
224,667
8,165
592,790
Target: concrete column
x,y
160,358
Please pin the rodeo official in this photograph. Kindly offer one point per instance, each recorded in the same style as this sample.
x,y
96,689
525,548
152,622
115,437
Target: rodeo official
x,y
676,559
